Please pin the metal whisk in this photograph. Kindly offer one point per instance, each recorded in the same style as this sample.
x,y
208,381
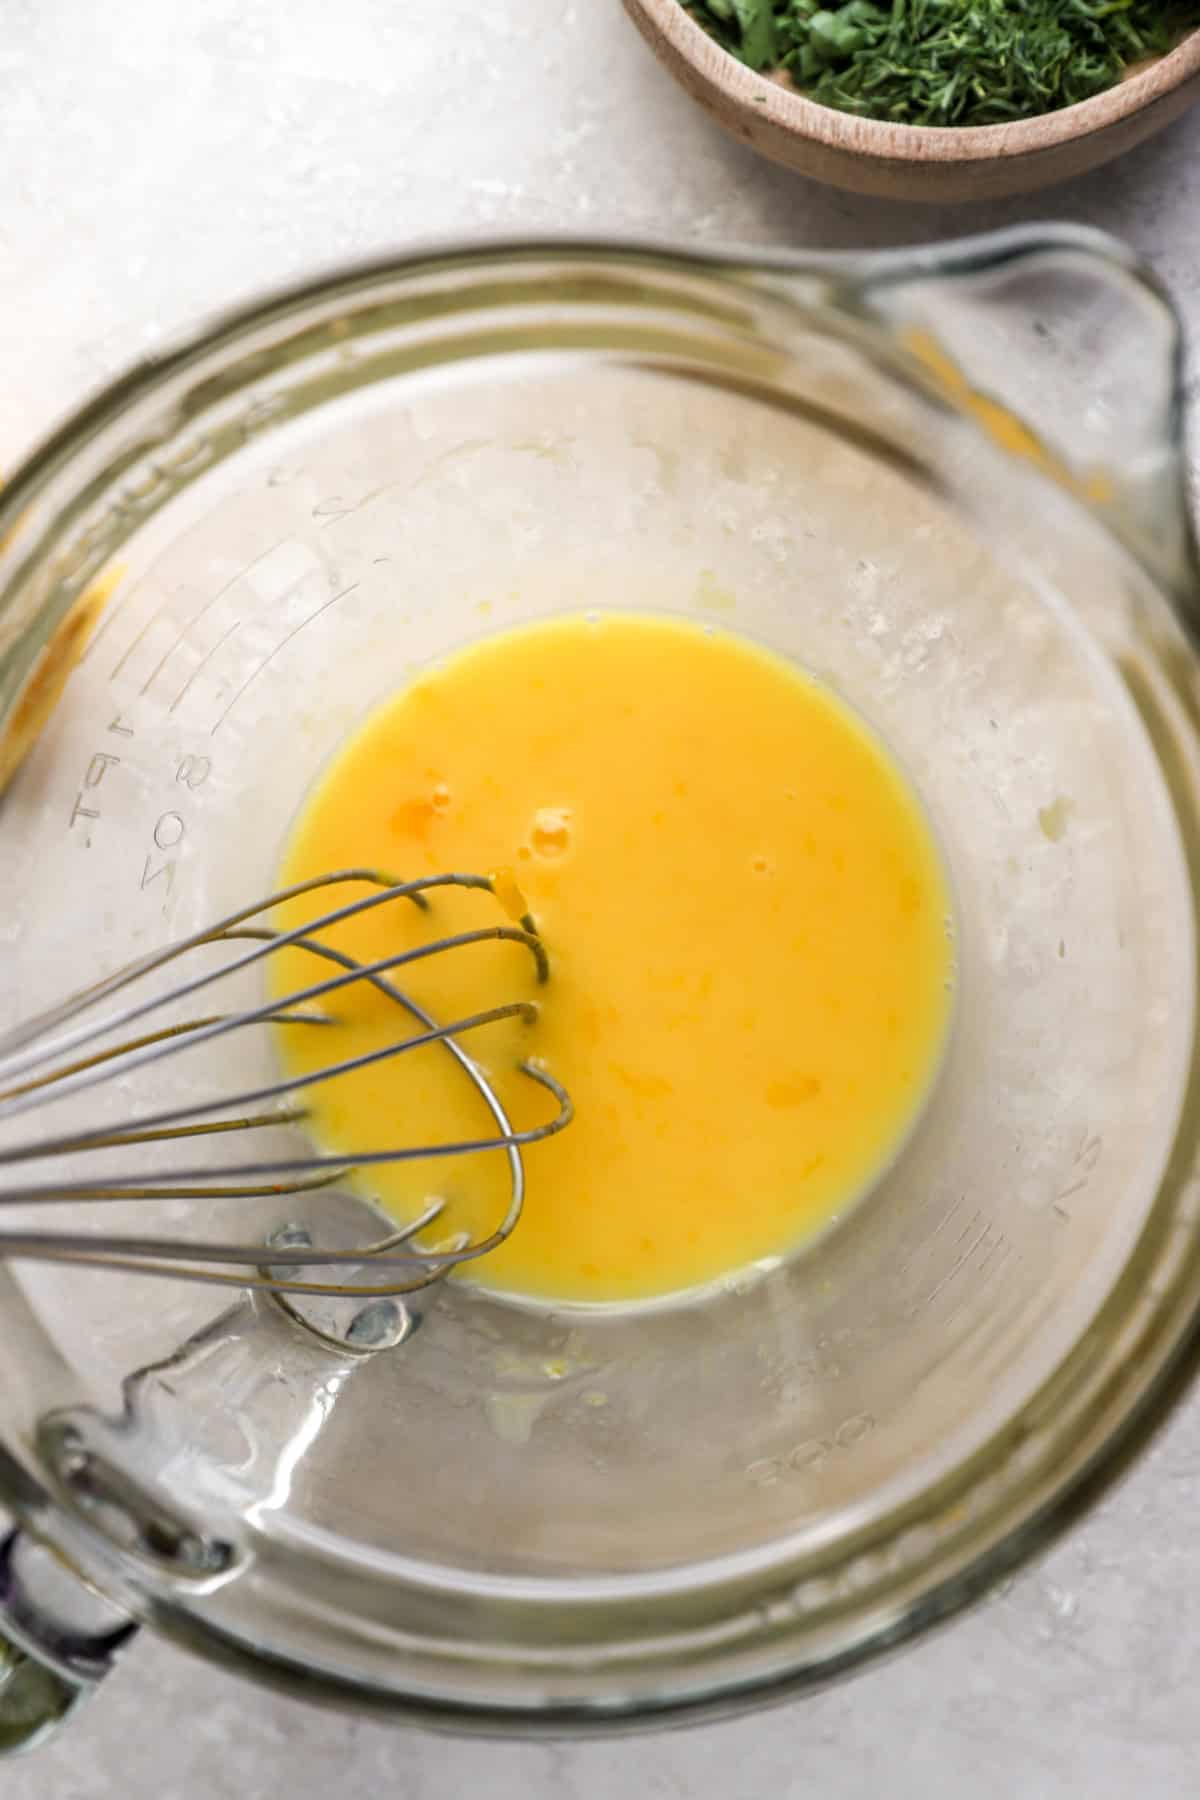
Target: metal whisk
x,y
71,1049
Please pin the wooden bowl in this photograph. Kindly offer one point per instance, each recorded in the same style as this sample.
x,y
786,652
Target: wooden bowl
x,y
916,162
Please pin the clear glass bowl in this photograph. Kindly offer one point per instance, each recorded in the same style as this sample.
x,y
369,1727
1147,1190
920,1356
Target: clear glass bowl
x,y
948,483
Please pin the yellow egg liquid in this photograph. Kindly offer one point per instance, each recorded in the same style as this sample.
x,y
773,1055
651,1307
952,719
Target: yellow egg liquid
x,y
746,915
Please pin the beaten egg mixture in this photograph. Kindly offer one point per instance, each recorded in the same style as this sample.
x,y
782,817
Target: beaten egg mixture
x,y
748,924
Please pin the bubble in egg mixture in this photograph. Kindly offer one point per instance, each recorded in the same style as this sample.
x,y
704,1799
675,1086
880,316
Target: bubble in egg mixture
x,y
550,835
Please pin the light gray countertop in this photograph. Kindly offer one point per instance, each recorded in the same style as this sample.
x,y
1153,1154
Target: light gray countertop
x,y
158,160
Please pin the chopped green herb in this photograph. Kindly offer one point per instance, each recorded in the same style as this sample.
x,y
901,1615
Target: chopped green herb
x,y
948,62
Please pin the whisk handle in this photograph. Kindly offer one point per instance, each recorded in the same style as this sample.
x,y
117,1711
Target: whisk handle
x,y
58,1639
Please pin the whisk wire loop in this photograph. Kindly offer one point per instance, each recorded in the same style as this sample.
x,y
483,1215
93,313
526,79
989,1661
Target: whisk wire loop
x,y
53,1057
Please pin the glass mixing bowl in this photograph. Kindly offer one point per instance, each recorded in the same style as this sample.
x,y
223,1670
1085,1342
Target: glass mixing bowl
x,y
947,482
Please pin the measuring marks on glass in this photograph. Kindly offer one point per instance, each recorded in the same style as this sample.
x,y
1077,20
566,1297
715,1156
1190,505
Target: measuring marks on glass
x,y
87,808
812,1455
969,1251
171,826
199,668
951,1270
189,660
101,784
265,660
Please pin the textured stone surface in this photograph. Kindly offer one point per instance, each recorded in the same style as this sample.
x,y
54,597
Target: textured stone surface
x,y
159,160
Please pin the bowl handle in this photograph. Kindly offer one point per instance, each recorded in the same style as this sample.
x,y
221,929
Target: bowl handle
x,y
1064,348
206,1439
58,1640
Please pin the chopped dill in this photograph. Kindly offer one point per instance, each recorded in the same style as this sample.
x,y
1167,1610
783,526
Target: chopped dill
x,y
948,62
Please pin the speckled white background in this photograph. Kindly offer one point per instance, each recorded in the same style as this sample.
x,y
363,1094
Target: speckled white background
x,y
159,159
